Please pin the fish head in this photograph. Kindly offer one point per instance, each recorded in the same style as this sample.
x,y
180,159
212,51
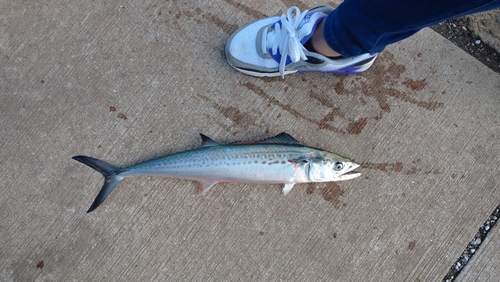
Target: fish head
x,y
332,167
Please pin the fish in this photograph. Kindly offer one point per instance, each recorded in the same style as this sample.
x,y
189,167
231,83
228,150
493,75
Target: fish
x,y
277,160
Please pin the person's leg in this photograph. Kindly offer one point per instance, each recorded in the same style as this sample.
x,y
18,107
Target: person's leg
x,y
357,30
368,26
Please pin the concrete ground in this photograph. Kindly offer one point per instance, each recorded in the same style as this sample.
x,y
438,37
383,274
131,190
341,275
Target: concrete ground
x,y
487,27
126,81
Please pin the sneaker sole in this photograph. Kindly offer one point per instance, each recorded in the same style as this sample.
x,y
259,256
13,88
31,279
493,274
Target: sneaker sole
x,y
355,69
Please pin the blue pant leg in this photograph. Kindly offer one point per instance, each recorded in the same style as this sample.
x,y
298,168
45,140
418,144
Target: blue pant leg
x,y
368,26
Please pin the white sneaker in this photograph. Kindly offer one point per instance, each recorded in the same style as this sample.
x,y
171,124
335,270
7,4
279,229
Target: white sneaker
x,y
275,46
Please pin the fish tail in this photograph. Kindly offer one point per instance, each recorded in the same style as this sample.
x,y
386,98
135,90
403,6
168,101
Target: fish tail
x,y
111,177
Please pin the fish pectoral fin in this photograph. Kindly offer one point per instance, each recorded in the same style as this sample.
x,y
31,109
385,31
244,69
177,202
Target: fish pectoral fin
x,y
287,188
205,186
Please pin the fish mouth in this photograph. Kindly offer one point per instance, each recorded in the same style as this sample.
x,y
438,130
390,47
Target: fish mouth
x,y
349,175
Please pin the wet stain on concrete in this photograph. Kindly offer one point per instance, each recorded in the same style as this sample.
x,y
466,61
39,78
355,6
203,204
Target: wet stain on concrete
x,y
416,85
455,175
286,107
381,84
334,112
385,167
398,167
122,116
238,118
227,27
412,245
112,109
435,172
310,188
324,122
354,126
332,193
357,126
301,5
40,264
414,169
246,9
339,86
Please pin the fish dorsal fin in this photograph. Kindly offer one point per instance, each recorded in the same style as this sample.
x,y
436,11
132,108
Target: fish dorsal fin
x,y
282,138
207,141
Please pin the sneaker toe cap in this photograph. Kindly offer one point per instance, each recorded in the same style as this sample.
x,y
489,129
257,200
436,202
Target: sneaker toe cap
x,y
241,48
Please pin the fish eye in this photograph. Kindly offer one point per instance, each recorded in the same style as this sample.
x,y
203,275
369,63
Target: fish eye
x,y
338,166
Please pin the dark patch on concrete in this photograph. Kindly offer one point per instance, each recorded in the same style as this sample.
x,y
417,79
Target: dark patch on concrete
x,y
323,123
301,5
416,85
40,264
286,107
435,172
381,81
412,170
415,170
240,119
412,245
122,116
385,167
332,193
334,112
334,235
354,127
112,109
455,175
246,9
339,86
310,188
357,126
325,101
261,233
227,27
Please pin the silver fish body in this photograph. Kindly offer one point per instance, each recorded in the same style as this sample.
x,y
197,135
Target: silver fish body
x,y
280,159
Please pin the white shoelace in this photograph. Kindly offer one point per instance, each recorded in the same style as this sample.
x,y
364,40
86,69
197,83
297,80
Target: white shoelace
x,y
286,38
